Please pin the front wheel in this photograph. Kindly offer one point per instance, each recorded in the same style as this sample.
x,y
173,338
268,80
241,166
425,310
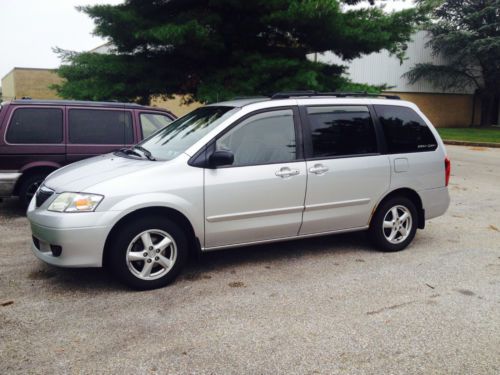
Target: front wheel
x,y
148,253
394,224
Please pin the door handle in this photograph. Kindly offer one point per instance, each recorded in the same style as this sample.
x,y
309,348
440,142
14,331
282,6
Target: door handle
x,y
287,172
318,169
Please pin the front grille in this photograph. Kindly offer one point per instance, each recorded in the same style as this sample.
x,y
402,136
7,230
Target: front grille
x,y
42,195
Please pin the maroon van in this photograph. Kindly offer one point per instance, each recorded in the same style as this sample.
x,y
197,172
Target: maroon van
x,y
37,137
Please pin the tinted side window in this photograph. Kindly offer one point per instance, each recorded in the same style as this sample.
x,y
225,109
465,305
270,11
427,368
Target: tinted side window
x,y
263,138
36,126
341,130
151,122
405,131
92,126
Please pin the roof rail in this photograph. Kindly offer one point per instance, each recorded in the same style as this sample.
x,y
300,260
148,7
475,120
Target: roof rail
x,y
337,94
240,97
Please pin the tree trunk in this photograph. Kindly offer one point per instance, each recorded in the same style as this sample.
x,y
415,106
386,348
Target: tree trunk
x,y
489,107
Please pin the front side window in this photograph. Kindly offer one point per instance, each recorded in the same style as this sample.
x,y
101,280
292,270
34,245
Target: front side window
x,y
405,131
36,126
341,131
97,126
152,122
264,138
184,132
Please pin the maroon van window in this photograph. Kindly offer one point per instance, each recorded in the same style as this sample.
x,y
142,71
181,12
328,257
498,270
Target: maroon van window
x,y
91,126
36,126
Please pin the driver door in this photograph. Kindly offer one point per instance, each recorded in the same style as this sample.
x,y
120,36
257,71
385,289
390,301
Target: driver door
x,y
261,195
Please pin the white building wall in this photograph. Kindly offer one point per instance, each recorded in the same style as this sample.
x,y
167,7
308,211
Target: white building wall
x,y
105,48
382,68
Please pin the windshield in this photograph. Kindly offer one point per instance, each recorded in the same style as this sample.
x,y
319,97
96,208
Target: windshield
x,y
184,132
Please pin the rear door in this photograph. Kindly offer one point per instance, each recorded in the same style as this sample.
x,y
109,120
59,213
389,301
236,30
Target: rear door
x,y
261,195
95,131
346,172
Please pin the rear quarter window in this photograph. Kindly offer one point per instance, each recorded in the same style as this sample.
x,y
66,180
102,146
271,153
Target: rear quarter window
x,y
405,131
36,126
152,122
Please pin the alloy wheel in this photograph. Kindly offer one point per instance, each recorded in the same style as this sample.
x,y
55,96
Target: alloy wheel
x,y
151,254
397,224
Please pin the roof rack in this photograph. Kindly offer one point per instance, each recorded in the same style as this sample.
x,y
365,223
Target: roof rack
x,y
85,103
241,97
337,94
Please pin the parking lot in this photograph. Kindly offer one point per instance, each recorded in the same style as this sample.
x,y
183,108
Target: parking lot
x,y
317,306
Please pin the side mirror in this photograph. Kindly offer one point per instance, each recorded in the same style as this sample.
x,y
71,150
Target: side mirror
x,y
220,158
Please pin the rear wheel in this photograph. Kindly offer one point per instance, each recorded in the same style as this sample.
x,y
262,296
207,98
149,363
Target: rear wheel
x,y
394,224
29,186
149,253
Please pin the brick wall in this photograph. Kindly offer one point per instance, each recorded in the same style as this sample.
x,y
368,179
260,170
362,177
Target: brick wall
x,y
30,82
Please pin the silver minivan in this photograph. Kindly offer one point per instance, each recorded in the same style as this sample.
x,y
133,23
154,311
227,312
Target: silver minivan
x,y
248,171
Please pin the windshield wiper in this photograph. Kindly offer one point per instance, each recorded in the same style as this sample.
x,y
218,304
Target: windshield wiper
x,y
129,151
146,152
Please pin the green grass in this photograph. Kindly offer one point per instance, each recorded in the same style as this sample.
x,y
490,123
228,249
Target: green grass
x,y
471,134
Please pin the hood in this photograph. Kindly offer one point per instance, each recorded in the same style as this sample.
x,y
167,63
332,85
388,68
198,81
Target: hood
x,y
79,176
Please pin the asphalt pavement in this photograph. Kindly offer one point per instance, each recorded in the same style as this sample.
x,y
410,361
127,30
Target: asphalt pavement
x,y
327,305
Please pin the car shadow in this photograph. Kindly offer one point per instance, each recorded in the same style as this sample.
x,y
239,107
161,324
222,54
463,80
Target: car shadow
x,y
280,252
11,208
100,280
70,280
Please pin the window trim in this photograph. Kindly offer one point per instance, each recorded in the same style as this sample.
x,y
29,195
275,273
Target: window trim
x,y
124,110
139,113
200,158
9,123
308,145
383,135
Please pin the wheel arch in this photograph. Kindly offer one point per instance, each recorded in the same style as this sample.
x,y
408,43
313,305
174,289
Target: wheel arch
x,y
407,193
171,213
31,170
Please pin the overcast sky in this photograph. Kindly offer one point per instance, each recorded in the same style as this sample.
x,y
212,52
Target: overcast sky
x,y
29,29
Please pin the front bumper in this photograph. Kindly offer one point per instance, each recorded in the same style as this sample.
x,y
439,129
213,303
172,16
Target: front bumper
x,y
81,236
81,247
8,182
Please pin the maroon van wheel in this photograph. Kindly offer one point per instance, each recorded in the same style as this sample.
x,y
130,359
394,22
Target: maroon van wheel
x,y
29,186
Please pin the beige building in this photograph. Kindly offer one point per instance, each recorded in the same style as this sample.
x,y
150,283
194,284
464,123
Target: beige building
x,y
30,82
35,83
445,110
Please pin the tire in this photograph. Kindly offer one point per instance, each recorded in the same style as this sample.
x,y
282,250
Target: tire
x,y
28,187
141,263
402,229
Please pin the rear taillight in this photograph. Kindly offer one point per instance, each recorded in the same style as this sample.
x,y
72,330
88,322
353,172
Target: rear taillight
x,y
447,170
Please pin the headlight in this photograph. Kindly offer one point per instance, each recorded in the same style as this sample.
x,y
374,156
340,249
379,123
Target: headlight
x,y
75,202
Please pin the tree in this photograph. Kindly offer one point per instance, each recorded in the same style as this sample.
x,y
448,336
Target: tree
x,y
209,50
466,34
